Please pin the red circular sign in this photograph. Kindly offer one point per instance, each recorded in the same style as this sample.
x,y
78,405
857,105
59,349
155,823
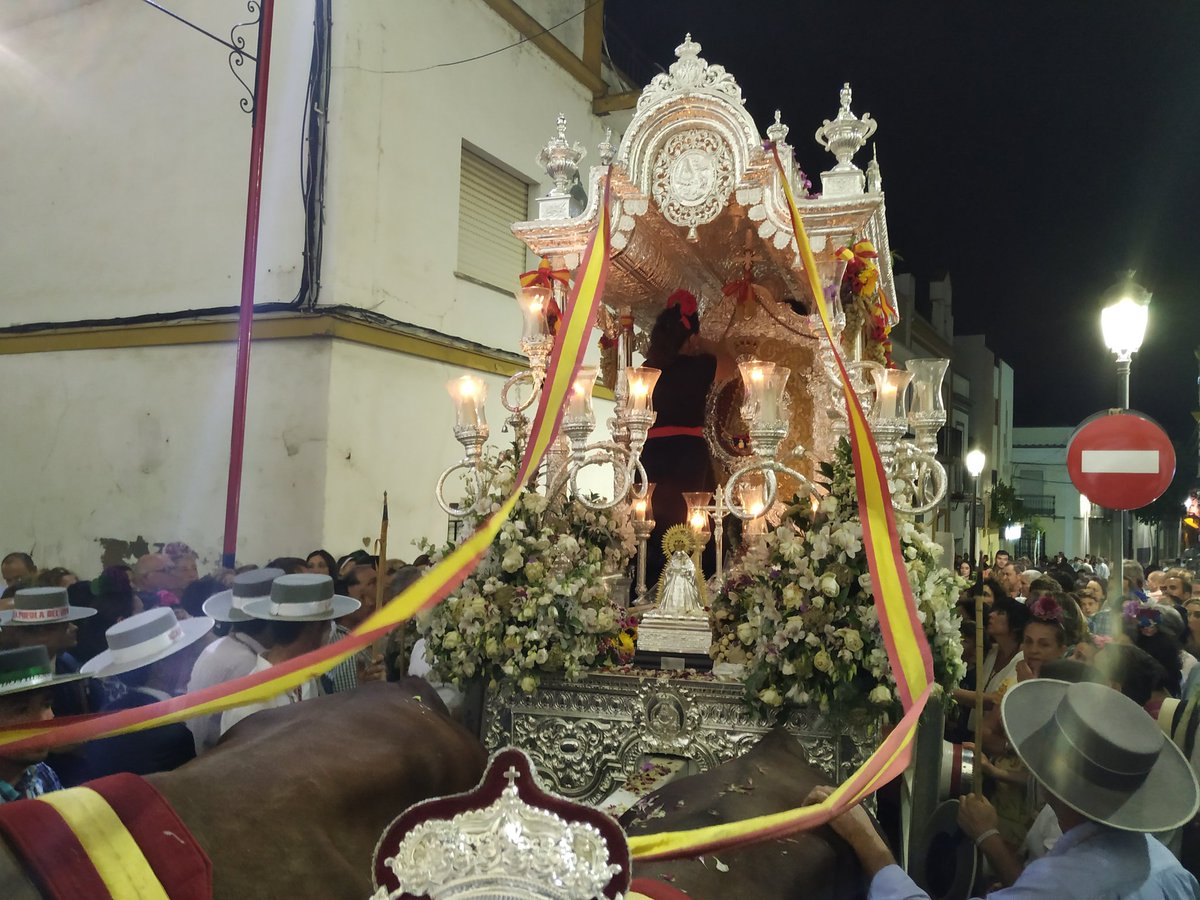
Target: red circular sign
x,y
1121,461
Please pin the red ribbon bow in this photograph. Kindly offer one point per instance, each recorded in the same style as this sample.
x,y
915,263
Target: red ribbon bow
x,y
686,302
545,276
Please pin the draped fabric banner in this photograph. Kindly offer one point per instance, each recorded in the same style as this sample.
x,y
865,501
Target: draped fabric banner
x,y
908,651
440,581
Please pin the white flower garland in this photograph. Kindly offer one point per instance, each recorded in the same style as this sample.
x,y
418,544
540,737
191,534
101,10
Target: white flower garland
x,y
536,603
797,609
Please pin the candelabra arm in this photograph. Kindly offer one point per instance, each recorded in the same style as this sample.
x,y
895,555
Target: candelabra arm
x,y
924,465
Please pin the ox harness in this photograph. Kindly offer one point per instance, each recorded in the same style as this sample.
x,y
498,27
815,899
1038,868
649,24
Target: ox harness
x,y
115,837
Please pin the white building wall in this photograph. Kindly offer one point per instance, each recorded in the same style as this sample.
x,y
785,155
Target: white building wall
x,y
126,159
127,172
115,445
1043,451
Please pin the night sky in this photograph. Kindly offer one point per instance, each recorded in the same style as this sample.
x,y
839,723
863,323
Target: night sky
x,y
1031,148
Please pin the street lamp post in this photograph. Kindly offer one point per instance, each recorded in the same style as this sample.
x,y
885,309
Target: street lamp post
x,y
1125,311
975,463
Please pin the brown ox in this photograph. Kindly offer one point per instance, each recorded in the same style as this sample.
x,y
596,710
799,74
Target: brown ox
x,y
292,801
774,776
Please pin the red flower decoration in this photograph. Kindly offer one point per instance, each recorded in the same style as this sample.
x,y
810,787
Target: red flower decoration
x,y
686,302
1046,609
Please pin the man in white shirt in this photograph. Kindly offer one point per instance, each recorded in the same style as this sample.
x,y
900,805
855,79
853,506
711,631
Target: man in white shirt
x,y
1109,775
235,654
300,608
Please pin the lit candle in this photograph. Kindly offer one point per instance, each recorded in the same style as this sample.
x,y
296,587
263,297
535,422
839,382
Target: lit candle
x,y
641,381
533,301
469,394
698,521
639,510
579,403
756,377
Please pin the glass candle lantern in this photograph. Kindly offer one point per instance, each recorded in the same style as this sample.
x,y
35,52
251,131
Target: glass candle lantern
x,y
469,394
890,388
641,509
756,383
697,513
640,382
775,402
534,300
753,500
927,404
579,399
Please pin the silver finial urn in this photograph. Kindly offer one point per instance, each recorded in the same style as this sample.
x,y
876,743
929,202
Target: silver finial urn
x,y
561,159
778,132
607,149
843,137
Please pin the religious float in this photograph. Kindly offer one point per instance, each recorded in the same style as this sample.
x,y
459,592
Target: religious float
x,y
612,684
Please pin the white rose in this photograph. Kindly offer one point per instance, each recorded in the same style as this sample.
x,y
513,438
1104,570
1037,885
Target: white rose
x,y
451,640
822,662
852,639
745,633
512,560
829,586
881,694
529,684
770,696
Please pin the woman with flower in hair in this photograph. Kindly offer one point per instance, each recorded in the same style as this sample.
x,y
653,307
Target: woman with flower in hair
x,y
1045,637
676,454
1043,640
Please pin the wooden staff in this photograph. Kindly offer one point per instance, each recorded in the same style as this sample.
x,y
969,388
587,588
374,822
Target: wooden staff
x,y
980,686
381,575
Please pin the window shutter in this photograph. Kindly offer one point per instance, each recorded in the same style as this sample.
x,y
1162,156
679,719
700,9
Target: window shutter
x,y
490,200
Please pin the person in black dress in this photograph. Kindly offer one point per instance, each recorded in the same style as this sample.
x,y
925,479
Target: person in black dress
x,y
676,455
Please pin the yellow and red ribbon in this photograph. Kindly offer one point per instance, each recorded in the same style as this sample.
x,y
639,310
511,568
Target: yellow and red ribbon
x,y
439,582
908,651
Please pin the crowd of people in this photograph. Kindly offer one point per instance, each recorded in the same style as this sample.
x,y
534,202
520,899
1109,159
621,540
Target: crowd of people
x,y
135,635
1064,620
138,634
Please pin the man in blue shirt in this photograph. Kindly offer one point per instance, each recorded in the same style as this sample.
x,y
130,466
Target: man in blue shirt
x,y
26,681
1110,776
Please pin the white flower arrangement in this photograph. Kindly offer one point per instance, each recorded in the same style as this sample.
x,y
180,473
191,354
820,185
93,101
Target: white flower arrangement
x,y
536,603
798,613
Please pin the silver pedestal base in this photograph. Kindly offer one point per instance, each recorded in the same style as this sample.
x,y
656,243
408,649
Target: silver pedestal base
x,y
674,634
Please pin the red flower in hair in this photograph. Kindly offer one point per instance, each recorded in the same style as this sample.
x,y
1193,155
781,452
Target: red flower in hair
x,y
686,302
1046,609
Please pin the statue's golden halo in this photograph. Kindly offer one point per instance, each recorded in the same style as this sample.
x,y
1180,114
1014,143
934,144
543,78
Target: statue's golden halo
x,y
678,537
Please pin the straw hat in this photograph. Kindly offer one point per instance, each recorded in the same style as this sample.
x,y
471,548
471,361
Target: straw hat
x,y
144,639
43,606
1098,752
227,606
301,598
28,668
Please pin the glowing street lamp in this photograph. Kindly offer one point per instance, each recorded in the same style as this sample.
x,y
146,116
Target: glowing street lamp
x,y
976,460
1126,309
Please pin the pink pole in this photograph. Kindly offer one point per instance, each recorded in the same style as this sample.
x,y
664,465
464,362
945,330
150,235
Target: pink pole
x,y
241,381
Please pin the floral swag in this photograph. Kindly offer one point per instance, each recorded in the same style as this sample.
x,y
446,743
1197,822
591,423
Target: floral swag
x,y
798,613
537,603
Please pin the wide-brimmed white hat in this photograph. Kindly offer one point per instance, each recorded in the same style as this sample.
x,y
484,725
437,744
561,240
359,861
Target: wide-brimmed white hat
x,y
253,585
301,598
43,606
29,668
144,639
1098,752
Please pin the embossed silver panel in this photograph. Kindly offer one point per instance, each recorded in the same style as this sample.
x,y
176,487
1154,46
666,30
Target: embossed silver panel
x,y
588,737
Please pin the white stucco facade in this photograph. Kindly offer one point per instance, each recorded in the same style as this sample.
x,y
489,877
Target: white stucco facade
x,y
128,174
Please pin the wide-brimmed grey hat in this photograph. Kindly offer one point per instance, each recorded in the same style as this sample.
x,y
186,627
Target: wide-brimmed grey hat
x,y
253,585
43,606
301,598
144,639
29,668
1101,754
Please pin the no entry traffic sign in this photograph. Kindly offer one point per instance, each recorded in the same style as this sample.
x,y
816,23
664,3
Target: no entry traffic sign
x,y
1121,461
